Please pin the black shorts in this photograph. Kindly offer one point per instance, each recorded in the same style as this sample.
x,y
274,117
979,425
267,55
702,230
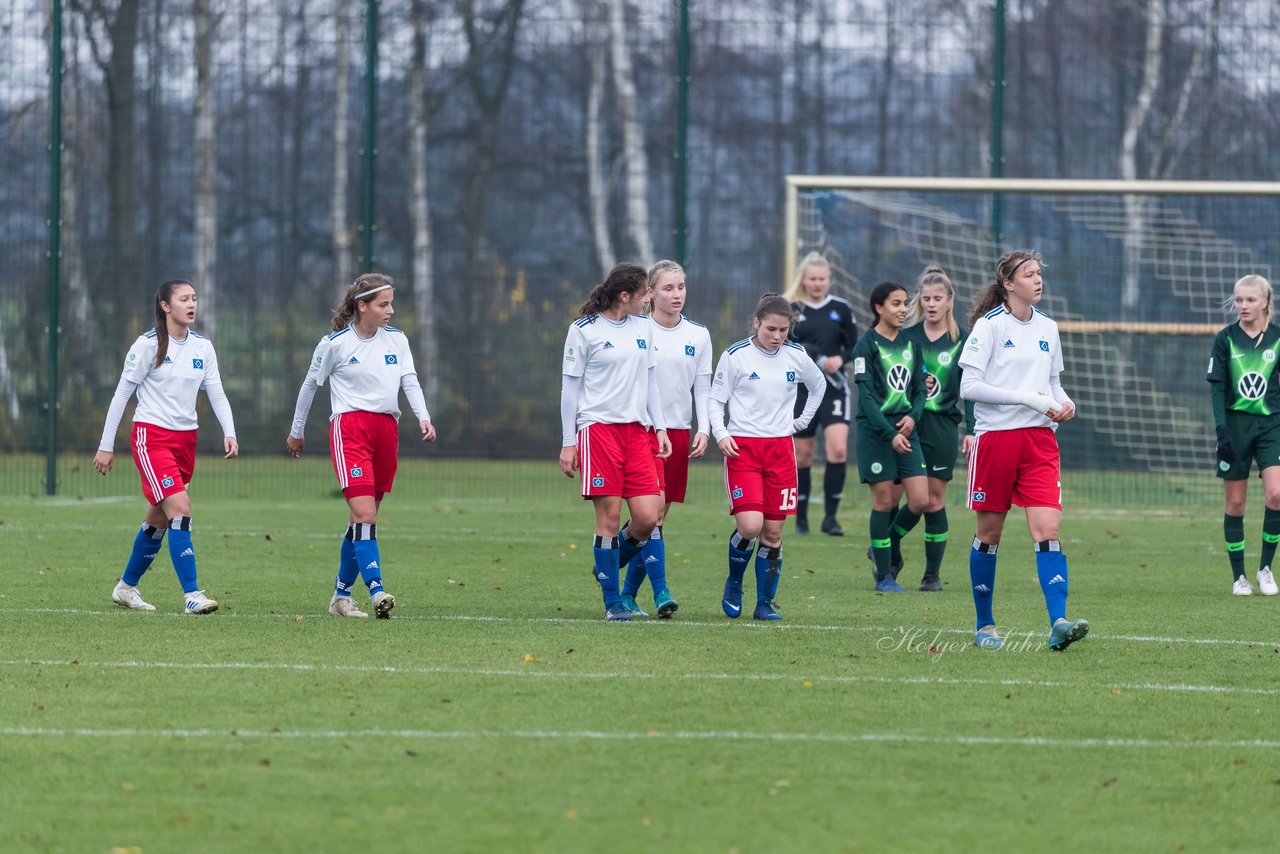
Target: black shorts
x,y
939,440
834,409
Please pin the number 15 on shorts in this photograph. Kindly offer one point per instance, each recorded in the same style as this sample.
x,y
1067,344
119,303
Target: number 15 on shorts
x,y
789,498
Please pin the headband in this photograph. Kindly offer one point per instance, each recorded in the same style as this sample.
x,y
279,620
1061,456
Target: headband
x,y
372,291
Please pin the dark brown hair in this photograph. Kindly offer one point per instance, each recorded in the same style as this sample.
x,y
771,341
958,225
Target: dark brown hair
x,y
622,279
162,318
994,293
346,308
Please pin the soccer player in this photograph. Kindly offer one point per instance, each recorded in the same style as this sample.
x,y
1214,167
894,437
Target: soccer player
x,y
757,378
827,330
682,360
612,424
889,372
940,340
366,363
167,366
1246,413
1012,363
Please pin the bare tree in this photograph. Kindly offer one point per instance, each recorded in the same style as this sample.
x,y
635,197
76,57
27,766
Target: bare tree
x,y
341,149
206,167
419,209
597,188
633,152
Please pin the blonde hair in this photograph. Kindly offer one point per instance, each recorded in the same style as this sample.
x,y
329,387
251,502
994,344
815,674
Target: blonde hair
x,y
1253,280
346,309
935,275
795,292
658,268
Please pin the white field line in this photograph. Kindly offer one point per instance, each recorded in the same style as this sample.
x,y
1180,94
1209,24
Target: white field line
x,y
594,735
534,672
902,634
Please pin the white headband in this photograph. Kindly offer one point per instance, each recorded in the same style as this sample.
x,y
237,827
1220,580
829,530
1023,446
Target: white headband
x,y
372,291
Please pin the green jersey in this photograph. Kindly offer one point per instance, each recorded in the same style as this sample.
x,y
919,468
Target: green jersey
x,y
890,379
1242,371
942,362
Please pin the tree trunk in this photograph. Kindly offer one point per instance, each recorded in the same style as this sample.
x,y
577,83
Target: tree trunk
x,y
1134,206
419,210
122,146
342,263
597,187
633,152
206,169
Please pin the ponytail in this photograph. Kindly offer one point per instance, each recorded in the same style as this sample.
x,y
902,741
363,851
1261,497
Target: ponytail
x,y
623,278
162,318
346,310
994,293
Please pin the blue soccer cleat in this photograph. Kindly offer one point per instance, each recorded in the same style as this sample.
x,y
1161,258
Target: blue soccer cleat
x,y
732,601
765,611
889,584
986,638
629,605
617,614
1066,632
666,605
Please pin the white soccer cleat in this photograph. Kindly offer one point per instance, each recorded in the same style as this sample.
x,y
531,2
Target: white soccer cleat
x,y
198,603
129,597
382,602
1242,587
342,606
1267,582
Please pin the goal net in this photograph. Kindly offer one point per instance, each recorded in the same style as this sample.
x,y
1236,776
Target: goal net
x,y
1136,274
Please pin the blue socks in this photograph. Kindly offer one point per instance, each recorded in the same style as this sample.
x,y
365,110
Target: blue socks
x,y
768,571
605,552
348,569
651,561
982,574
145,548
364,543
1051,567
182,553
740,550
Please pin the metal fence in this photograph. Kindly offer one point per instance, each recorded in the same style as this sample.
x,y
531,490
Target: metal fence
x,y
494,156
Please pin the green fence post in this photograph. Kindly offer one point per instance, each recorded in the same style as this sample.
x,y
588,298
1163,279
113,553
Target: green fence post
x,y
55,241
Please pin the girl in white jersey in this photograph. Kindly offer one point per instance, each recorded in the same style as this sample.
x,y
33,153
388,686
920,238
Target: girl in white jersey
x,y
1012,362
167,366
612,423
682,359
366,363
757,379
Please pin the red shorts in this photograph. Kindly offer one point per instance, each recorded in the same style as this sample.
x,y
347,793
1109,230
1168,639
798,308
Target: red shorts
x,y
674,470
365,448
762,478
618,459
1020,467
166,459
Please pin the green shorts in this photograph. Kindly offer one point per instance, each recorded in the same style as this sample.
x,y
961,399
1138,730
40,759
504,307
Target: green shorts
x,y
939,440
877,460
1253,437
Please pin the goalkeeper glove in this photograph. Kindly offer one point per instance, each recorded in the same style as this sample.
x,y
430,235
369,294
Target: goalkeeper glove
x,y
1226,453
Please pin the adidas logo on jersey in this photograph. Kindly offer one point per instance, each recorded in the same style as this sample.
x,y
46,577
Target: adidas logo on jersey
x,y
608,345
168,361
754,376
1008,343
353,361
1057,579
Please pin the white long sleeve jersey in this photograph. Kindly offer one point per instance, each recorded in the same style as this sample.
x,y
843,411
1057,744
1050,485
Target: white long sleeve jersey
x,y
613,358
364,375
760,390
1015,355
681,354
167,394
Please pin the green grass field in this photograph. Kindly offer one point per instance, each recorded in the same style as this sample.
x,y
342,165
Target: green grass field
x,y
498,711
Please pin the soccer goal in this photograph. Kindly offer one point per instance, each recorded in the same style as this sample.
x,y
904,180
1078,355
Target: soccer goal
x,y
1136,274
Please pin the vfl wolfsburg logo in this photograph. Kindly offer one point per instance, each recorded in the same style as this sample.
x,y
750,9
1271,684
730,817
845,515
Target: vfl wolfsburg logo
x,y
1252,386
1268,355
898,378
944,358
935,390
